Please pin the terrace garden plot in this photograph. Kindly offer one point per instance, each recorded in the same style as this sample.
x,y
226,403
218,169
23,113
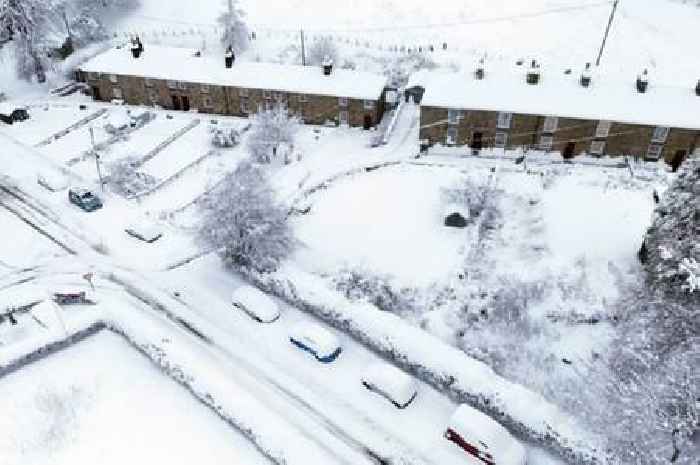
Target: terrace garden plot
x,y
76,408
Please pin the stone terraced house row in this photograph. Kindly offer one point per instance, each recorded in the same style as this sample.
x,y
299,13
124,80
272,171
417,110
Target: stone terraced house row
x,y
182,79
566,113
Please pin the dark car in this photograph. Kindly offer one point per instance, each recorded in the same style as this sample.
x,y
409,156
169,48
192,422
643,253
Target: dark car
x,y
84,199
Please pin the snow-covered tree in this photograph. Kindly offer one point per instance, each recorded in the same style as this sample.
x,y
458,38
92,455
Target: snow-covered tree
x,y
235,29
270,131
320,50
125,179
244,222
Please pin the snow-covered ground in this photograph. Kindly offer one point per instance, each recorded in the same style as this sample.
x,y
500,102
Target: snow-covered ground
x,y
100,401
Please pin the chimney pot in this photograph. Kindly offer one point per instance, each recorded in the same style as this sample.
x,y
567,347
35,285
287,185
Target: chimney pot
x,y
586,76
533,74
327,66
643,82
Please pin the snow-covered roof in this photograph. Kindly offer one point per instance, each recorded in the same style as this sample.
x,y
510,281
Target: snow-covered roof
x,y
256,302
481,430
392,381
561,95
179,64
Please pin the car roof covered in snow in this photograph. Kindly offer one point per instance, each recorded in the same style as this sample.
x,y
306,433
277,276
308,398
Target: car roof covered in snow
x,y
398,385
479,429
255,301
148,231
561,95
322,340
179,64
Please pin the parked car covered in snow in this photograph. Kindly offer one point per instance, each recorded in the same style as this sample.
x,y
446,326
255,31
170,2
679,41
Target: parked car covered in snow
x,y
84,199
52,181
316,340
484,438
256,304
11,113
391,383
144,232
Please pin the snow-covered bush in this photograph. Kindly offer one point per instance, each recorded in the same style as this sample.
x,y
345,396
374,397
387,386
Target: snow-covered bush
x,y
365,285
125,179
321,49
234,27
225,137
244,222
270,131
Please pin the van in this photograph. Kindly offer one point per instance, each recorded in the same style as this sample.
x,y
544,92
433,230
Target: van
x,y
482,437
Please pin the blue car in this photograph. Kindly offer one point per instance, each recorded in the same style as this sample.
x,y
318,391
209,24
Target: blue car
x,y
316,340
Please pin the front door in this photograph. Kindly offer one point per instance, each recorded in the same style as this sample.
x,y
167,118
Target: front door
x,y
678,158
185,103
344,117
176,103
96,93
569,150
368,122
477,141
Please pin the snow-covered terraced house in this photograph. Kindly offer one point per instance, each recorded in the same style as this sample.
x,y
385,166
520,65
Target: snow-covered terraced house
x,y
568,113
181,79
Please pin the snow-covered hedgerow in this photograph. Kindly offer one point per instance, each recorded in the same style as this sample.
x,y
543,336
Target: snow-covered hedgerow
x,y
464,379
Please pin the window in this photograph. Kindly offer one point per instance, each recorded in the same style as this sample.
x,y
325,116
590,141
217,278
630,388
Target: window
x,y
117,93
243,92
660,134
204,88
172,84
113,78
148,82
451,135
303,98
501,140
93,76
182,85
369,104
245,105
504,120
153,96
603,129
546,142
206,102
280,97
453,116
655,150
550,124
344,117
342,102
267,94
597,147
269,105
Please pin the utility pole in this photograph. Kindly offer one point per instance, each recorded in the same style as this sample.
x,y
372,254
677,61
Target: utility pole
x,y
607,30
97,158
303,52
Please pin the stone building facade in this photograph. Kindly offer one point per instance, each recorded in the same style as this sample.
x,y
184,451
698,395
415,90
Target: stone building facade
x,y
218,96
479,129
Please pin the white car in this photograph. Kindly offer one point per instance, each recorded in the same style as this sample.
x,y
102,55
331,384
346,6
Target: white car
x,y
388,381
144,232
484,438
256,304
316,340
52,181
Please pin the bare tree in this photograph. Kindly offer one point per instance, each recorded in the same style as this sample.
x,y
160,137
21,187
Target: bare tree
x,y
244,222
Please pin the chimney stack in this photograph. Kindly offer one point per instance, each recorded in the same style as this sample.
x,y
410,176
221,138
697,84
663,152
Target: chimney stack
x,y
533,74
586,76
136,47
480,71
697,88
229,57
643,82
327,66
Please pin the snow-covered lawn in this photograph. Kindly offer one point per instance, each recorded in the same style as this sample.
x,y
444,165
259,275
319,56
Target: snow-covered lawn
x,y
101,402
24,247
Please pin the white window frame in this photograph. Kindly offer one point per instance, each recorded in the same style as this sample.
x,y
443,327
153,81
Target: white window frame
x,y
452,135
551,124
182,85
172,84
114,79
117,93
603,129
243,92
205,88
245,105
500,140
660,134
655,150
597,147
453,116
343,102
546,142
344,117
369,104
504,120
303,98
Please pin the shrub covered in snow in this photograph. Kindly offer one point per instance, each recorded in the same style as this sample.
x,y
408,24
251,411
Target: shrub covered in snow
x,y
125,179
242,219
271,131
321,49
